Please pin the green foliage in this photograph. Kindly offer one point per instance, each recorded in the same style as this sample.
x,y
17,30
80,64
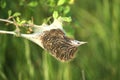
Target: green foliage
x,y
2,3
61,2
9,13
16,14
55,14
94,21
33,4
67,19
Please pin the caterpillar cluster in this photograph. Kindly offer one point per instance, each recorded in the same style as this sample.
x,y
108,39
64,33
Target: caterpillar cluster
x,y
58,44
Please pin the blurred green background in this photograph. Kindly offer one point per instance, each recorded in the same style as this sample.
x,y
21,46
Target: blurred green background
x,y
94,21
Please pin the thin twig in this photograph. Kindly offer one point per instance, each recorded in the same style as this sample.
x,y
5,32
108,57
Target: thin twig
x,y
8,21
7,32
25,24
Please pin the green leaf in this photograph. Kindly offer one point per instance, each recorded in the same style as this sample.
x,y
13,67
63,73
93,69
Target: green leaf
x,y
23,21
18,19
33,4
66,10
16,14
3,3
9,13
61,2
55,14
67,19
29,22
